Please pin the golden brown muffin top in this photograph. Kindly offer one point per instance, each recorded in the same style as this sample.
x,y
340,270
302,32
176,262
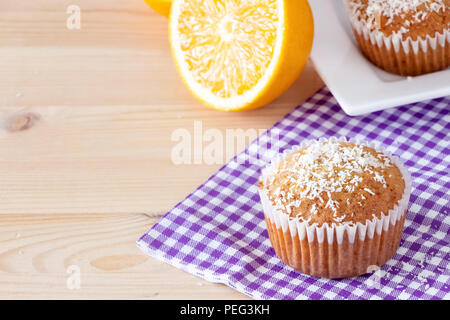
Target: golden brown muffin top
x,y
404,18
335,182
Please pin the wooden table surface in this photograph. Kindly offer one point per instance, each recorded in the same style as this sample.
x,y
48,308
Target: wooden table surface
x,y
86,118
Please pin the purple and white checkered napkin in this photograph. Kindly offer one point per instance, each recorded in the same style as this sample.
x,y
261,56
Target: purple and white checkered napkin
x,y
218,232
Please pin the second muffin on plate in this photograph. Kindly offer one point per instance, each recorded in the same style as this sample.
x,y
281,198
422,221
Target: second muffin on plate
x,y
404,37
334,208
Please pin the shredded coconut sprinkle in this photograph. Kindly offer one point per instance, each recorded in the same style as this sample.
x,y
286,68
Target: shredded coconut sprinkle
x,y
325,168
410,12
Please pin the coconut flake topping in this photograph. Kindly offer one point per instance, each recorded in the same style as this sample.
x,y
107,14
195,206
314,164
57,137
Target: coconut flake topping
x,y
410,11
324,168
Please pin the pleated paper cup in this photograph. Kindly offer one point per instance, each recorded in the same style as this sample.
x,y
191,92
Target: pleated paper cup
x,y
335,250
402,56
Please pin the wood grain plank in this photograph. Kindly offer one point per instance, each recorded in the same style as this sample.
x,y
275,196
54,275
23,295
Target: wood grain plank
x,y
86,118
36,252
103,103
114,59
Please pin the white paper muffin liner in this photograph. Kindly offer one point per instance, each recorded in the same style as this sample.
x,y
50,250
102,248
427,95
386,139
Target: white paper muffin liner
x,y
400,55
334,233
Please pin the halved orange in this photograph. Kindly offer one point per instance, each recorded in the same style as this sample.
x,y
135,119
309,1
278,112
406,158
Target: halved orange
x,y
240,54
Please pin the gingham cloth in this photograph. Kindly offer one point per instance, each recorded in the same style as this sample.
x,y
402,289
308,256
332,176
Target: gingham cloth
x,y
218,232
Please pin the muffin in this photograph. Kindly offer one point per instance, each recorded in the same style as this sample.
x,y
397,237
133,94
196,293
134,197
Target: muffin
x,y
403,37
334,208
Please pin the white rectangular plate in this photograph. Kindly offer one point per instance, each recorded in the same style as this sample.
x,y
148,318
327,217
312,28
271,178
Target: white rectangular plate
x,y
358,85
